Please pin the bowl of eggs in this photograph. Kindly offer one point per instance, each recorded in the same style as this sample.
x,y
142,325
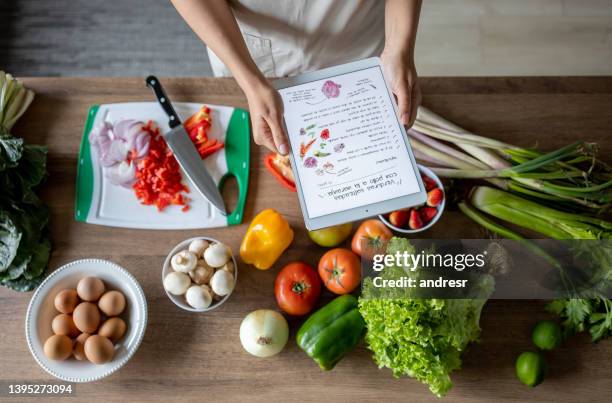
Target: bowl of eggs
x,y
199,274
86,320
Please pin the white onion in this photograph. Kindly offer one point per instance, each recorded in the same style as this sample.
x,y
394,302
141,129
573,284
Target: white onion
x,y
264,333
115,143
122,174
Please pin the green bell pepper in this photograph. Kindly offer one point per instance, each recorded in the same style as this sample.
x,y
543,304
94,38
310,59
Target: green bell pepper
x,y
332,331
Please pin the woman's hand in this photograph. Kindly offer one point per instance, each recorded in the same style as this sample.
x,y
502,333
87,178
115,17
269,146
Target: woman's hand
x,y
401,74
266,109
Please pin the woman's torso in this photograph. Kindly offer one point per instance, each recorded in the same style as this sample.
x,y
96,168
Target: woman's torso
x,y
287,37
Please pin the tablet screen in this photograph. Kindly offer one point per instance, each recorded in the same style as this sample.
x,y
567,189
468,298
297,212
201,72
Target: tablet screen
x,y
347,142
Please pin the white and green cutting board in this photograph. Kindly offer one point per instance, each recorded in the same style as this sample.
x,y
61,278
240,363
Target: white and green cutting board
x,y
100,202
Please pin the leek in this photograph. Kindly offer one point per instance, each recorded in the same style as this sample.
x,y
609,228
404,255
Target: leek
x,y
571,175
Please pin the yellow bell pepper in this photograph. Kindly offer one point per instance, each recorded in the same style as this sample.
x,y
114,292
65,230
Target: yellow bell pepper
x,y
265,240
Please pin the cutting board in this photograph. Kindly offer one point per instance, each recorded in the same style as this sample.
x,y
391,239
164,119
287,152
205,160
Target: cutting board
x,y
100,202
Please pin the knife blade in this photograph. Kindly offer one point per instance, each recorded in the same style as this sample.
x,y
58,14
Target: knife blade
x,y
184,150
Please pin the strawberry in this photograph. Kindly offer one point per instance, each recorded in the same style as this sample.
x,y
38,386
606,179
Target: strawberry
x,y
415,221
428,213
399,218
434,197
428,182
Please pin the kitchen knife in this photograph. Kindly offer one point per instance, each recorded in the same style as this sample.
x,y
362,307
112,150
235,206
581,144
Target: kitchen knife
x,y
184,150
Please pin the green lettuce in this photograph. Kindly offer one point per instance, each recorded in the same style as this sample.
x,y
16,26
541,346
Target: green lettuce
x,y
420,338
25,245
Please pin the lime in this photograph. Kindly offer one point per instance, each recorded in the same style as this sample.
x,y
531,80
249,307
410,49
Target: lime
x,y
546,335
531,368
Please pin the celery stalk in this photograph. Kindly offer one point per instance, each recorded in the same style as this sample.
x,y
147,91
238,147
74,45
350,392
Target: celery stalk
x,y
545,220
507,233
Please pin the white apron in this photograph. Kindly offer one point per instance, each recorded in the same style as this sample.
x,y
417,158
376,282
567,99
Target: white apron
x,y
288,37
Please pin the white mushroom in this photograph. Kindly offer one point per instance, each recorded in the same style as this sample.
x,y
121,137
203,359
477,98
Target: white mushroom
x,y
207,288
201,274
198,297
216,255
197,247
176,283
229,267
184,261
222,282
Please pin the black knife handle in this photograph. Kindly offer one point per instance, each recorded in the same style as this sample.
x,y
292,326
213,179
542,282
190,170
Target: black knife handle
x,y
164,101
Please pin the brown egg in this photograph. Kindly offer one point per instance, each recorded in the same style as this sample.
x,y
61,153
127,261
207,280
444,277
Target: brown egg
x,y
113,328
90,289
86,317
58,347
79,347
66,300
112,303
99,349
64,325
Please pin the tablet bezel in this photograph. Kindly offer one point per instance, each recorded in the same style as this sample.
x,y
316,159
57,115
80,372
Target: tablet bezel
x,y
355,213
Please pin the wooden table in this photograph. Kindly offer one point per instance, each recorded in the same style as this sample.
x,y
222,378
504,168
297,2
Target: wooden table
x,y
199,356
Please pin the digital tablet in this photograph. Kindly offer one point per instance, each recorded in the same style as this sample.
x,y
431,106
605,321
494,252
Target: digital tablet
x,y
349,152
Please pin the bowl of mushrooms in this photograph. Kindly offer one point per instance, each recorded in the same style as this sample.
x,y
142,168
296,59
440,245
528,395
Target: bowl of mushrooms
x,y
200,274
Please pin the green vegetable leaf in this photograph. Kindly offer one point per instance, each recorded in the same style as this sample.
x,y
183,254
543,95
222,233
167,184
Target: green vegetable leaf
x,y
9,241
32,166
40,257
11,149
22,284
577,310
582,314
418,337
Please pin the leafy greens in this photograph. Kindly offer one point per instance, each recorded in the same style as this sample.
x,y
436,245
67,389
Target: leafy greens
x,y
420,338
25,245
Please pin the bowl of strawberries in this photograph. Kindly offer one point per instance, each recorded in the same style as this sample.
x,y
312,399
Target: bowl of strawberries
x,y
419,218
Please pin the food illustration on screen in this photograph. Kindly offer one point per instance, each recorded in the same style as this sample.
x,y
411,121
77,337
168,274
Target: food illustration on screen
x,y
349,150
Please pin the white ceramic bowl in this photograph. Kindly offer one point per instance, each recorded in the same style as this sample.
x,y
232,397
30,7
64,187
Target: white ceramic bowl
x,y
41,312
179,300
427,172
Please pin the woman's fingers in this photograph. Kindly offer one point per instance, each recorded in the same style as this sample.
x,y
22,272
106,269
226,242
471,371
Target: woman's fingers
x,y
415,101
262,134
278,133
402,92
266,108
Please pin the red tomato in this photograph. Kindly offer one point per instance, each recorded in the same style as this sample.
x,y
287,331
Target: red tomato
x,y
370,238
340,270
297,288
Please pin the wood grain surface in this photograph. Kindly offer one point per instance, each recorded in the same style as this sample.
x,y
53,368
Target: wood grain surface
x,y
198,357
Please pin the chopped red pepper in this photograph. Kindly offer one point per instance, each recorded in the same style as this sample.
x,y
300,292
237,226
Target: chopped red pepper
x,y
158,175
211,149
198,126
282,179
203,115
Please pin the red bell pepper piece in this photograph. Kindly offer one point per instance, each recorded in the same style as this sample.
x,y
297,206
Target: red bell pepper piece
x,y
286,182
205,152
